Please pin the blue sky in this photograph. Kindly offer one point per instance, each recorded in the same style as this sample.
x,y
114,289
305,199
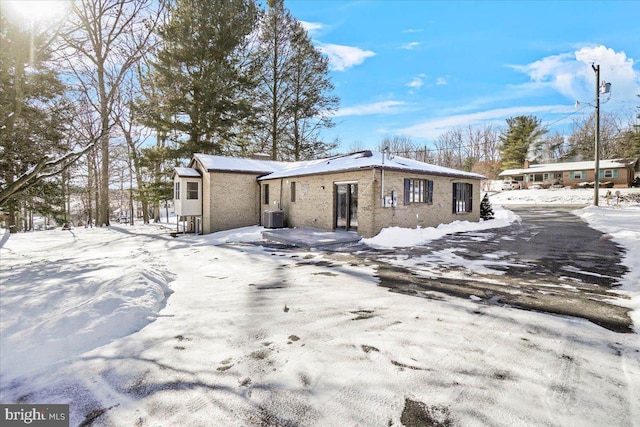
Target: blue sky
x,y
418,68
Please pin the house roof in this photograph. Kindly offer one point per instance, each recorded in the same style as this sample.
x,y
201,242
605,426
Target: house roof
x,y
236,164
187,172
571,166
363,160
354,161
512,172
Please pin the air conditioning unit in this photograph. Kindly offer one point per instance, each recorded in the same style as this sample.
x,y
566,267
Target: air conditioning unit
x,y
273,219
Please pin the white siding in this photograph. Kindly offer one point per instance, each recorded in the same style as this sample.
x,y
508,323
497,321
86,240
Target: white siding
x,y
183,205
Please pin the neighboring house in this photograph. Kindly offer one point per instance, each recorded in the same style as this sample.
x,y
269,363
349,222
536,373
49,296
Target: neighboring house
x,y
619,172
363,192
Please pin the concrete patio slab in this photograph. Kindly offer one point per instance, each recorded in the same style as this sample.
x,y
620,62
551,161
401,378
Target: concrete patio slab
x,y
310,237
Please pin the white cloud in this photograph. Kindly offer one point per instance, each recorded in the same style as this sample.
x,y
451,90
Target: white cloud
x,y
441,81
343,57
413,30
383,107
417,82
411,46
312,27
432,128
571,73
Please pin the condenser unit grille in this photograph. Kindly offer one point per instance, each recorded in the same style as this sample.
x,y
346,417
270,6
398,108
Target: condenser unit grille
x,y
273,219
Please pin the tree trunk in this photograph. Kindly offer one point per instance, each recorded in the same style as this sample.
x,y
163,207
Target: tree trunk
x,y
96,192
103,209
90,178
103,214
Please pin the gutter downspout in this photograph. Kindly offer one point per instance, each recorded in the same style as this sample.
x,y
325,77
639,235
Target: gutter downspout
x,y
373,196
382,181
201,231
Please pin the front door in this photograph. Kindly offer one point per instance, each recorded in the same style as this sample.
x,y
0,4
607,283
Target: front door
x,y
346,206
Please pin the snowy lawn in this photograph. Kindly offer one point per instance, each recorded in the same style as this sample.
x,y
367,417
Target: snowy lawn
x,y
257,336
565,196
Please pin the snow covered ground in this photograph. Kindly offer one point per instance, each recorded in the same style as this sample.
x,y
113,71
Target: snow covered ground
x,y
398,237
564,196
132,327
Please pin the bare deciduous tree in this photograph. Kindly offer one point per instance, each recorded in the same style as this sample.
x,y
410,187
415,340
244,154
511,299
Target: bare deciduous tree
x,y
106,39
582,139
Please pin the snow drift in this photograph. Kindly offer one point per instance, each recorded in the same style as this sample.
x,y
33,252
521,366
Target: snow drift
x,y
398,237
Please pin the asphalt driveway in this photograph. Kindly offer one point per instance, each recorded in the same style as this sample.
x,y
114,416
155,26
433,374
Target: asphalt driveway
x,y
550,262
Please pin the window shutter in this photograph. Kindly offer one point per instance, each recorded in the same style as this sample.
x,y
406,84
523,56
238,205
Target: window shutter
x,y
615,173
455,197
407,190
470,189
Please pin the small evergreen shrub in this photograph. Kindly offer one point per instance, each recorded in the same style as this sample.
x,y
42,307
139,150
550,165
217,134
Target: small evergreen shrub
x,y
486,211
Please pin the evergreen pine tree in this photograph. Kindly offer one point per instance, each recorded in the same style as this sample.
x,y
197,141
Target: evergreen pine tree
x,y
517,139
486,211
34,115
202,75
294,88
312,104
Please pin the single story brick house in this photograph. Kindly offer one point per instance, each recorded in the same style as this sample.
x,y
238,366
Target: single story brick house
x,y
362,192
620,172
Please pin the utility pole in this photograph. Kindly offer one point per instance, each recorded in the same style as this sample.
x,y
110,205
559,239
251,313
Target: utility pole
x,y
596,185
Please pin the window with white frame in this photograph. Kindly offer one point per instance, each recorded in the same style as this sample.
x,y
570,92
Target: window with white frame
x,y
577,175
609,173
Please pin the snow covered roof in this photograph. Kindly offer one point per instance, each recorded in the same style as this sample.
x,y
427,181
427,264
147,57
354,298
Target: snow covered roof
x,y
571,166
236,164
363,160
512,172
186,172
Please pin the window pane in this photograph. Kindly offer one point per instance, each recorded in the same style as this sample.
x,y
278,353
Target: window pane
x,y
418,190
462,197
192,190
